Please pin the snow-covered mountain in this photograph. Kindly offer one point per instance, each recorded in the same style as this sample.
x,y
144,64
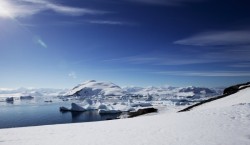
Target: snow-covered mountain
x,y
94,88
156,91
97,88
173,91
35,92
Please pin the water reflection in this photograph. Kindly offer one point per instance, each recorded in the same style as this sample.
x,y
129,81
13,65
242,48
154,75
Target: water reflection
x,y
89,116
22,115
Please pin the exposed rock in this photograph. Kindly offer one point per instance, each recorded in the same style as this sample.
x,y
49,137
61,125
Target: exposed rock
x,y
231,90
104,111
141,112
236,88
228,91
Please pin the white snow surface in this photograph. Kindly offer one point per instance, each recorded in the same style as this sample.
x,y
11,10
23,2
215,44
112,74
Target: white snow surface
x,y
222,122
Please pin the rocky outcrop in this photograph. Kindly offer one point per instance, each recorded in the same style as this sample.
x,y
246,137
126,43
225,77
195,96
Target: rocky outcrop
x,y
228,91
141,112
235,88
231,90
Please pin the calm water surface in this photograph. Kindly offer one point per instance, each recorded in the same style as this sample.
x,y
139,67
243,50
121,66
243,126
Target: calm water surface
x,y
33,114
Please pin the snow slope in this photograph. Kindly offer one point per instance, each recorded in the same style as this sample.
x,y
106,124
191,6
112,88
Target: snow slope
x,y
222,122
240,98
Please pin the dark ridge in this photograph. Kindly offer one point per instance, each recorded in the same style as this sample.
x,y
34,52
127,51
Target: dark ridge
x,y
141,112
228,91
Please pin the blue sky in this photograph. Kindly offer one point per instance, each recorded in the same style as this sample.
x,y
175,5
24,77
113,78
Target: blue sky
x,y
60,43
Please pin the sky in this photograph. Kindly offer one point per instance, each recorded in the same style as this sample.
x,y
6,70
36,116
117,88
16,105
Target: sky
x,y
61,43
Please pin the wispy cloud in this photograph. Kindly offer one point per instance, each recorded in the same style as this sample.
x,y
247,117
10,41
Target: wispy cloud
x,y
135,59
165,2
39,41
72,74
11,9
94,22
159,60
107,22
24,8
206,74
72,10
230,55
241,65
218,38
176,59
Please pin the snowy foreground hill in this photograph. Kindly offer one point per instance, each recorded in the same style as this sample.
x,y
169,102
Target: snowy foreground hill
x,y
224,121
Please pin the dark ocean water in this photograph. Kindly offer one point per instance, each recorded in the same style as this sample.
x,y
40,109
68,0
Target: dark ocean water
x,y
34,114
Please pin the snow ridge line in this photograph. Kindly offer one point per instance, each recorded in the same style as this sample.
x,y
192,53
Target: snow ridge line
x,y
235,88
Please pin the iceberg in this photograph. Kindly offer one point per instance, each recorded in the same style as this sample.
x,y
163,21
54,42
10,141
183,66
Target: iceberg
x,y
74,108
64,109
26,97
107,109
102,106
9,99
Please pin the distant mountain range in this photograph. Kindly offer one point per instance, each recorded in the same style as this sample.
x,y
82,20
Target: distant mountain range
x,y
35,92
95,88
108,89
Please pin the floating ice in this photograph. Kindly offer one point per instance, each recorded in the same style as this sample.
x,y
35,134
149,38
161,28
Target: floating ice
x,y
74,107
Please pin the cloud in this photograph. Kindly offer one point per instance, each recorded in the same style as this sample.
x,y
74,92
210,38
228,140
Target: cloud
x,y
241,65
94,22
39,41
206,74
72,75
135,59
165,2
24,8
72,11
218,38
230,55
106,22
169,59
8,9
